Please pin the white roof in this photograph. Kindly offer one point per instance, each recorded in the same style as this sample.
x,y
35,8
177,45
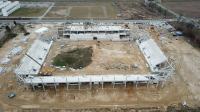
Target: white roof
x,y
4,4
39,50
10,5
152,53
32,61
28,66
86,78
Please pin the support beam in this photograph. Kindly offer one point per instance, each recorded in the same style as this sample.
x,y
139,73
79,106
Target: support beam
x,y
101,85
33,87
42,85
54,84
113,83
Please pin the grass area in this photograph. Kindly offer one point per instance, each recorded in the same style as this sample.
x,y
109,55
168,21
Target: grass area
x,y
97,12
82,10
29,12
111,11
58,12
79,12
77,58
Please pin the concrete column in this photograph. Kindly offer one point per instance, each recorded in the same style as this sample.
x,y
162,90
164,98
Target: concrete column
x,y
147,84
32,85
101,85
79,85
136,84
66,84
54,84
43,87
113,84
162,84
157,84
90,85
42,84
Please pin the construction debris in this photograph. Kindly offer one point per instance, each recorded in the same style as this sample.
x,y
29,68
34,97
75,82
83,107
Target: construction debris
x,y
5,61
15,51
41,30
2,70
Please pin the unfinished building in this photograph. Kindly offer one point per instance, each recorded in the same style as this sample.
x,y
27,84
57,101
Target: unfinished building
x,y
160,68
91,31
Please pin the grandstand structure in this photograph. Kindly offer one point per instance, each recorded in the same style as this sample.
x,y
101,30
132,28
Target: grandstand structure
x,y
160,67
92,31
8,7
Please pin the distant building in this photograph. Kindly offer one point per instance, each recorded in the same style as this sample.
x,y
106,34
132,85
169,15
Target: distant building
x,y
8,7
146,2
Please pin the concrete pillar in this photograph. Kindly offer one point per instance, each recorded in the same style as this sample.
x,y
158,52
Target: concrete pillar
x,y
54,84
33,87
42,84
113,83
136,84
157,84
101,85
43,87
90,85
147,84
79,85
66,84
162,84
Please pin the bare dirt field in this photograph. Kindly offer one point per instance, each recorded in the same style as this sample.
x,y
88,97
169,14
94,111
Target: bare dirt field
x,y
190,8
107,58
119,9
94,10
134,9
183,86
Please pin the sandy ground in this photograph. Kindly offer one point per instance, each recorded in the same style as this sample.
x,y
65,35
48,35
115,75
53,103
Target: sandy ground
x,y
108,58
183,86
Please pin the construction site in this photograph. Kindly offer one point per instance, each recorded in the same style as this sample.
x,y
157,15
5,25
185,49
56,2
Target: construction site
x,y
96,65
